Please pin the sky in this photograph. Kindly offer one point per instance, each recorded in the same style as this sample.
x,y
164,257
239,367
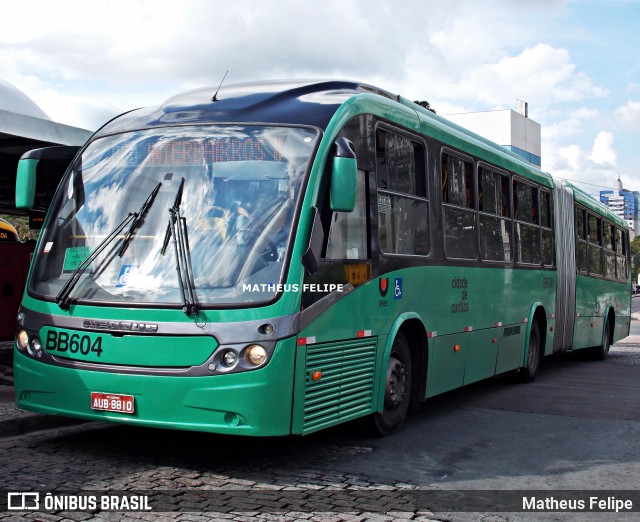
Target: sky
x,y
576,62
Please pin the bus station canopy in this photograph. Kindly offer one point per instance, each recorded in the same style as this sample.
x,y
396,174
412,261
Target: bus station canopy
x,y
24,126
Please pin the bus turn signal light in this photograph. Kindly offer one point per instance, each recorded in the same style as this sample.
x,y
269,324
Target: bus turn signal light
x,y
316,376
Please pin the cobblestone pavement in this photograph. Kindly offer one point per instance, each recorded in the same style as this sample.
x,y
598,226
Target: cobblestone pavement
x,y
292,482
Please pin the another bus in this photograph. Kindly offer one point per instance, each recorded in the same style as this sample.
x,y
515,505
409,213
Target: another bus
x,y
8,232
279,258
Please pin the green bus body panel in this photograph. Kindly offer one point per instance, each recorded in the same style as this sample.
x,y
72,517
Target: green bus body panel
x,y
26,183
128,350
446,371
452,299
482,355
249,403
594,298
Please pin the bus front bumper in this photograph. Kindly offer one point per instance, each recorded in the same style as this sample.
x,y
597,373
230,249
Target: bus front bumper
x,y
257,402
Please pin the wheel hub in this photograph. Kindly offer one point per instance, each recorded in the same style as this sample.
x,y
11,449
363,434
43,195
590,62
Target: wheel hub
x,y
396,388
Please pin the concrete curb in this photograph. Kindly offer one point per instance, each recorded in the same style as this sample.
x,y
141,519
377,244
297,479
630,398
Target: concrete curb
x,y
31,422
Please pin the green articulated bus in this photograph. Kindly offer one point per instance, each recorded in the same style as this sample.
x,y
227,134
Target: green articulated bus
x,y
277,258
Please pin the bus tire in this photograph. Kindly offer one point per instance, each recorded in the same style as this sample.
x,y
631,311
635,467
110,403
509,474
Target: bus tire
x,y
602,352
529,370
397,389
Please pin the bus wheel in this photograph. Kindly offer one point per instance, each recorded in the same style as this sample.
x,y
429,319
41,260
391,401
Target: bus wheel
x,y
397,388
528,372
601,352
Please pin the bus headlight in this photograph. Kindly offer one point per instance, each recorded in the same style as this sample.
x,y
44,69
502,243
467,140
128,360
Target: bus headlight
x,y
255,354
229,358
22,340
35,348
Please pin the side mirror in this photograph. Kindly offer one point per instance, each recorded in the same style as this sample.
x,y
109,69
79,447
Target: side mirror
x,y
39,173
343,177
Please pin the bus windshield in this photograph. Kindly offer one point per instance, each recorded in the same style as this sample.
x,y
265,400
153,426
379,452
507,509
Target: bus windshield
x,y
238,187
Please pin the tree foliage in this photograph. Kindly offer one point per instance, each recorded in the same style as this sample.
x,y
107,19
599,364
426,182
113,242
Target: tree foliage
x,y
426,105
22,226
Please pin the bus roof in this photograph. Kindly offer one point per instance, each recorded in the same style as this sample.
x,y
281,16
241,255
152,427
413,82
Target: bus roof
x,y
315,102
280,102
593,204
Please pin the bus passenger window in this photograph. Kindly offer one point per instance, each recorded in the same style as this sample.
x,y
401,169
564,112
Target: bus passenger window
x,y
403,210
595,244
526,229
581,240
458,198
621,255
546,230
495,230
609,234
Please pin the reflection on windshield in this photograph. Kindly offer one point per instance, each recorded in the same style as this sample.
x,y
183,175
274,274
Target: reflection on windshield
x,y
240,190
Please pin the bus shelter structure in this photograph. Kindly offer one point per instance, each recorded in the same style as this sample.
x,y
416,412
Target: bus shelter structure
x,y
23,127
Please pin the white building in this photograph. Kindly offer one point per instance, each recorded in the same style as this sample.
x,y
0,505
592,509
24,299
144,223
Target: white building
x,y
511,129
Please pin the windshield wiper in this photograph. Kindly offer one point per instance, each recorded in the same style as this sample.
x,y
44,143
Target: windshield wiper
x,y
138,219
177,228
133,219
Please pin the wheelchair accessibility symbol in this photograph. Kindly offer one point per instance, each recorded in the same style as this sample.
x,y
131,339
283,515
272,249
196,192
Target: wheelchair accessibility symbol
x,y
397,288
125,272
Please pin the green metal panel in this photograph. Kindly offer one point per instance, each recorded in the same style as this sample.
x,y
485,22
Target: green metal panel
x,y
482,354
510,351
447,364
345,389
594,297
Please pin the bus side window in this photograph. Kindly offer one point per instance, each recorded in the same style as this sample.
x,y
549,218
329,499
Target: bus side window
x,y
458,201
495,227
346,257
608,234
546,228
595,244
621,255
526,226
403,211
348,232
581,240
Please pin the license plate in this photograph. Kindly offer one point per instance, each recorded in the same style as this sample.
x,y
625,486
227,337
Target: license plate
x,y
112,402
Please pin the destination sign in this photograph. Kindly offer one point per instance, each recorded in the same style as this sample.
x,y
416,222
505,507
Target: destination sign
x,y
214,150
